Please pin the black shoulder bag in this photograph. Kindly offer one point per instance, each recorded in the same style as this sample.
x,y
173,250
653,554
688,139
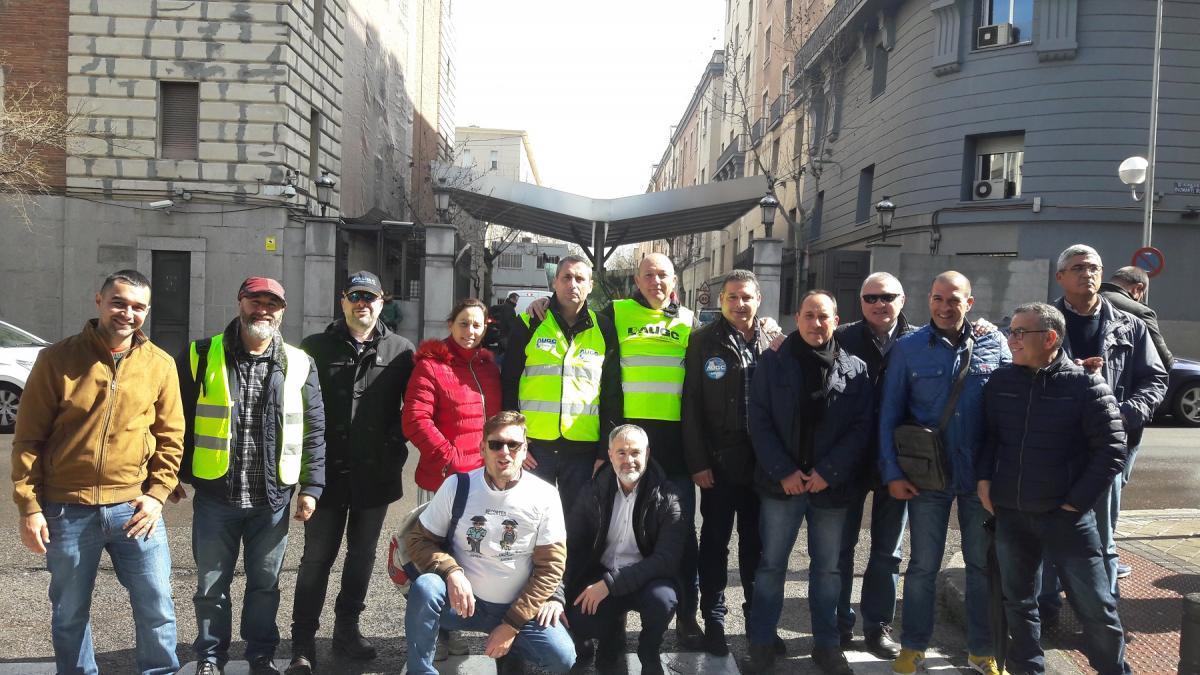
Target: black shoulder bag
x,y
920,450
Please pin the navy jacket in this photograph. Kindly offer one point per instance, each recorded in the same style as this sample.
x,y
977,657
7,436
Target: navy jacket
x,y
312,471
840,443
1132,367
920,374
658,530
1053,437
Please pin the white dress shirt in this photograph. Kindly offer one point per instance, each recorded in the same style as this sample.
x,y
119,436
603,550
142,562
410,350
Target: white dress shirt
x,y
620,548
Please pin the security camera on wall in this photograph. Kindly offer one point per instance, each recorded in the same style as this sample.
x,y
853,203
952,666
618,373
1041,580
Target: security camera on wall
x,y
163,204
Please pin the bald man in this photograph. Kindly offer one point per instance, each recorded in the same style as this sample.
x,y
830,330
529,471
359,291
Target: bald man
x,y
922,368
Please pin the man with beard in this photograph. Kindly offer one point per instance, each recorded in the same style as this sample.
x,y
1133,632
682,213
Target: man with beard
x,y
255,429
626,538
363,367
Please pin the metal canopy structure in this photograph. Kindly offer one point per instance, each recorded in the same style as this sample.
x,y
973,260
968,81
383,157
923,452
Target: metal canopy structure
x,y
599,225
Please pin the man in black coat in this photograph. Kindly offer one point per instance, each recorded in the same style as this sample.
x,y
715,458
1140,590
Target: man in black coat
x,y
363,367
625,540
1126,290
883,322
1054,440
719,366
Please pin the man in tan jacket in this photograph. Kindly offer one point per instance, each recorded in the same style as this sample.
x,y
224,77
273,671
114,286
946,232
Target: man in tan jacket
x,y
97,447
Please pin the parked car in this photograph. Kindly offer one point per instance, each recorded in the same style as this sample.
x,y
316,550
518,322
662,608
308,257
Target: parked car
x,y
18,349
708,316
1182,401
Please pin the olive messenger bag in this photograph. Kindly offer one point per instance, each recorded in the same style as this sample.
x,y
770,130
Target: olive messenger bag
x,y
920,450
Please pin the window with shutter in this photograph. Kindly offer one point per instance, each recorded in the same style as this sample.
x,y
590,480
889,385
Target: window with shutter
x,y
179,111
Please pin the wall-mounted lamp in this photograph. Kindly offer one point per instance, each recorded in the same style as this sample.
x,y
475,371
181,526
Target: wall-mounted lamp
x,y
769,205
325,185
885,211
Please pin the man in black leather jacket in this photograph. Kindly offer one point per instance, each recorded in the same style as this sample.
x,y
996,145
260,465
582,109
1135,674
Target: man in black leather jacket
x,y
1054,441
625,540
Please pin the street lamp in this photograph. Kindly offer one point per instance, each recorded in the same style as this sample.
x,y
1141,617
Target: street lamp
x,y
441,199
886,210
325,185
1133,173
769,204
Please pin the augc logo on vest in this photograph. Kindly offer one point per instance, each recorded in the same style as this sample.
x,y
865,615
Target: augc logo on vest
x,y
654,330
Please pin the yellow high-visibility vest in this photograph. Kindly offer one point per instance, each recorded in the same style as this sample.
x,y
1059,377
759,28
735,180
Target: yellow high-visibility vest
x,y
652,349
214,414
559,391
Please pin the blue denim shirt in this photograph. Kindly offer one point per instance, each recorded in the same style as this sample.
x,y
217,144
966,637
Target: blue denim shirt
x,y
920,373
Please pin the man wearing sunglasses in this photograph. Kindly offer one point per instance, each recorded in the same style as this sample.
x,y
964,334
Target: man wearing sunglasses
x,y
1053,444
508,589
871,339
363,367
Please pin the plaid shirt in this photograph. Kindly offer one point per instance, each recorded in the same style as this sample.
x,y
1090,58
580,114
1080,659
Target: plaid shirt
x,y
748,353
248,480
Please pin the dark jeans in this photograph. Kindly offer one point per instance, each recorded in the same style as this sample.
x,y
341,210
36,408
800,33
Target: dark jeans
x,y
719,505
569,471
1072,542
689,596
322,541
655,602
878,603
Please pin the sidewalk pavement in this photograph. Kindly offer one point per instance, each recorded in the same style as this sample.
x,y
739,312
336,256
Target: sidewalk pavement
x,y
1163,548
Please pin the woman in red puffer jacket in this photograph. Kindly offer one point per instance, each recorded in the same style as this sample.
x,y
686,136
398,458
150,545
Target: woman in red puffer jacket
x,y
454,389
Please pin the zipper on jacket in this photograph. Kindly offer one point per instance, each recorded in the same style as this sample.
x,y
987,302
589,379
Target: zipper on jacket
x,y
1024,435
112,401
482,396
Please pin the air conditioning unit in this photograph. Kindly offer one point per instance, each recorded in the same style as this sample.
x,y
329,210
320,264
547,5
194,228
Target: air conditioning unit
x,y
997,35
995,188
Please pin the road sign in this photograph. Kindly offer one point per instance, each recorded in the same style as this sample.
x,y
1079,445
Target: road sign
x,y
1150,259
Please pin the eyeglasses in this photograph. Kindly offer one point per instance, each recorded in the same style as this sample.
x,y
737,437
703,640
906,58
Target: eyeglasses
x,y
511,446
1090,270
1020,333
361,296
872,298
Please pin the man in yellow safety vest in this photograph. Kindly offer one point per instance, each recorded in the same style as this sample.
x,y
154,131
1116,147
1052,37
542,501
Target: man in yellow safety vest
x,y
255,429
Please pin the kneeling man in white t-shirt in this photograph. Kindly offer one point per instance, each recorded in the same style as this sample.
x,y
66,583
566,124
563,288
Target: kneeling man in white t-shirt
x,y
500,568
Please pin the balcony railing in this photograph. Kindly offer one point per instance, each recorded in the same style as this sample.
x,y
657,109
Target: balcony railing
x,y
757,129
744,260
778,108
729,163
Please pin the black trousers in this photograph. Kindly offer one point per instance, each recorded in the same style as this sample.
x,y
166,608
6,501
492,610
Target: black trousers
x,y
720,505
655,602
322,541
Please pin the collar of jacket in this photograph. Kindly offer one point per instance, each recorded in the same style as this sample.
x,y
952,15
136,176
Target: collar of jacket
x,y
965,334
91,328
1115,288
901,329
340,329
582,322
234,346
842,366
1116,326
1060,363
648,485
670,309
760,336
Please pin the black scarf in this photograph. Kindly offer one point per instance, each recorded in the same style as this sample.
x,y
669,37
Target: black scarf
x,y
815,363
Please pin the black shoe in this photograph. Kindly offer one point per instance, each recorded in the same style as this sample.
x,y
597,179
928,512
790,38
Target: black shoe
x,y
846,640
831,660
714,640
880,643
263,665
510,664
760,660
208,668
585,651
651,663
778,646
349,641
300,665
688,634
610,654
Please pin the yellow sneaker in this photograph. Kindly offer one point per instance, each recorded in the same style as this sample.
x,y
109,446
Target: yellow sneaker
x,y
909,662
983,664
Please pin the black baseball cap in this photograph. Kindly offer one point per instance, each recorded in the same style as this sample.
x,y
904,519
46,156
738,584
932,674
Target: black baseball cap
x,y
363,280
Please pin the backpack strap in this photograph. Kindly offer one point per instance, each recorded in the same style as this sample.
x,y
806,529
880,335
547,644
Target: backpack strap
x,y
461,492
948,411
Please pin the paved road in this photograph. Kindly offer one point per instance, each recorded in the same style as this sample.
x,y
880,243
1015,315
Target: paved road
x,y
1166,477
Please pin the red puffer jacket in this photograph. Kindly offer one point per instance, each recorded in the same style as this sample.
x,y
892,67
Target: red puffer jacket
x,y
451,393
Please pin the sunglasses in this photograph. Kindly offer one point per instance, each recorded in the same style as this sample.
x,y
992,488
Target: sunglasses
x,y
872,298
511,446
361,296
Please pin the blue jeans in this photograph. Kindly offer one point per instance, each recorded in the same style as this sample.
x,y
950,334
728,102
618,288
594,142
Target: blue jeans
x,y
928,518
218,531
780,521
78,534
719,506
689,574
878,602
568,471
549,648
1071,541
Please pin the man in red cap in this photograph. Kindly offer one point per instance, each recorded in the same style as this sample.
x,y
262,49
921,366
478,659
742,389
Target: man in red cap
x,y
255,430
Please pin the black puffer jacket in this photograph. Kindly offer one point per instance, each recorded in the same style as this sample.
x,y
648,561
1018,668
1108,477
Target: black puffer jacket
x,y
715,431
363,393
657,526
1053,437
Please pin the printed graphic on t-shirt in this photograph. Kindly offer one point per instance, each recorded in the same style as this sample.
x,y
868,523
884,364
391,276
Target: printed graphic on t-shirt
x,y
510,534
476,533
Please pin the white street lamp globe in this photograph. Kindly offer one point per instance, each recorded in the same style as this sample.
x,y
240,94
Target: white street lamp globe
x,y
1133,170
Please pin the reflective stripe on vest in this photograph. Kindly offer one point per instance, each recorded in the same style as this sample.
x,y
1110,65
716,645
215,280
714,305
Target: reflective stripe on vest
x,y
214,414
559,391
652,350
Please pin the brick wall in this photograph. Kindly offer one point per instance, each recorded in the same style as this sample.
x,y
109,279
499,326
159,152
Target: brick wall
x,y
33,50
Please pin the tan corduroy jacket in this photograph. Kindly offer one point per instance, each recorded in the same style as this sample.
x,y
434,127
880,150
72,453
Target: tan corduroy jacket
x,y
90,433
